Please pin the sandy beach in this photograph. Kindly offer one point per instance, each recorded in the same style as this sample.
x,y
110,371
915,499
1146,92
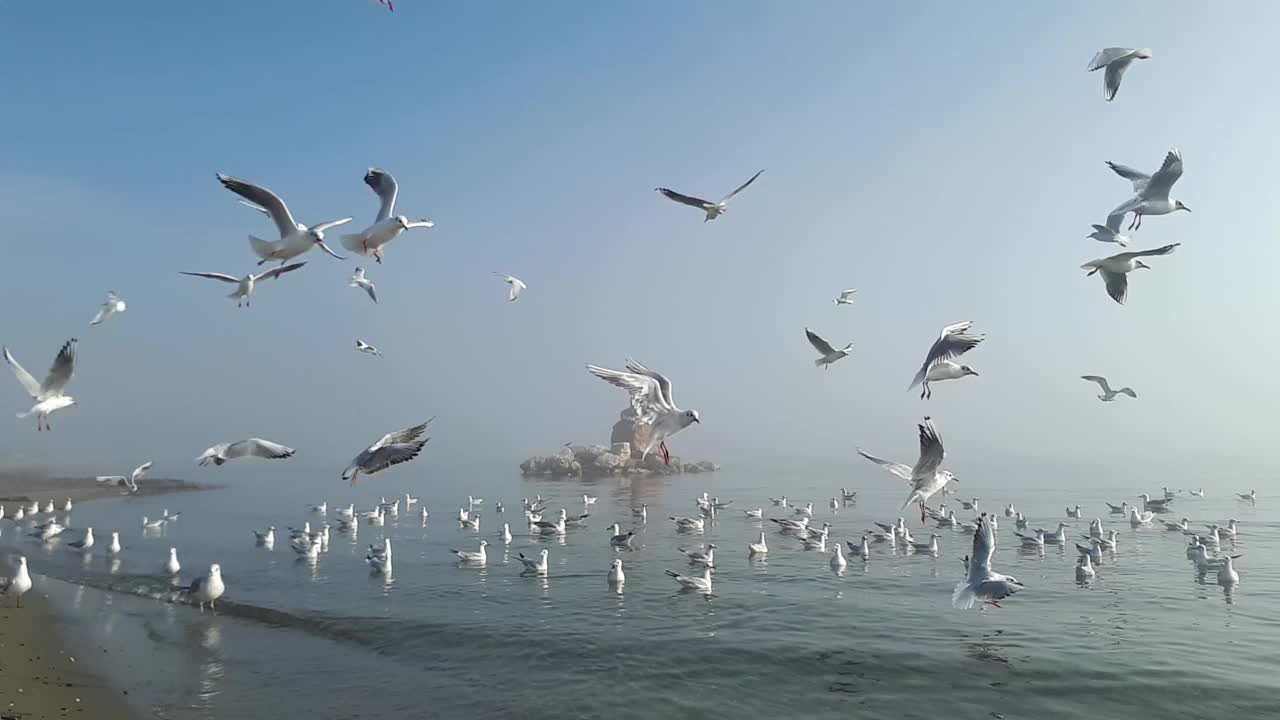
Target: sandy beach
x,y
24,485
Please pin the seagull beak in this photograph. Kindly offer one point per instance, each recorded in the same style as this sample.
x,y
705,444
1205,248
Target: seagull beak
x,y
973,372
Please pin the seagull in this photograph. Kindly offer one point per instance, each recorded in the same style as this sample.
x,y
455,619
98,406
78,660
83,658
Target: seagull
x,y
1150,503
1057,537
981,583
694,583
616,576
756,514
84,543
588,499
359,280
1115,269
652,400
1093,551
862,550
1074,512
827,353
171,565
380,553
543,527
1108,394
848,495
1116,61
780,502
838,563
50,395
1251,496
19,583
926,477
930,547
1227,575
537,567
952,342
713,210
1084,569
517,285
471,523
1028,541
618,539
806,510
1151,192
392,449
846,296
1009,511
130,484
478,557
1102,233
209,588
114,547
641,512
295,238
265,538
252,447
706,556
385,227
1138,519
758,548
505,534
1107,543
686,524
1178,526
245,285
367,349
111,306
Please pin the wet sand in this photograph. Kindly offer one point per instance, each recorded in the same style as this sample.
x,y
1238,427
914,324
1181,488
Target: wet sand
x,y
28,485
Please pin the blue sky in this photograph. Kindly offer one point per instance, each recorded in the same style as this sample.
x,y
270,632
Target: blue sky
x,y
945,160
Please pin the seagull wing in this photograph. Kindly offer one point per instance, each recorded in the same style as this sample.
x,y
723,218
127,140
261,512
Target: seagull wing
x,y
331,224
1107,56
1162,182
258,447
931,451
1137,177
264,199
645,392
1111,79
369,288
402,436
386,188
1117,285
953,341
1164,250
28,383
664,384
1102,382
517,287
984,544
138,471
393,449
213,276
685,199
902,471
277,272
822,346
112,479
64,365
741,187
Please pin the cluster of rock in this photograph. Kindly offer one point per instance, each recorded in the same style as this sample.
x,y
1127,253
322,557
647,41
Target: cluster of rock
x,y
595,460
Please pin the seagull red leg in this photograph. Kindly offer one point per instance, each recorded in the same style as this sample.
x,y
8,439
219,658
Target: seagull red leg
x,y
666,455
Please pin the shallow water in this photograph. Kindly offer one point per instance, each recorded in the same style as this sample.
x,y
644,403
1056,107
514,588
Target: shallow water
x,y
779,635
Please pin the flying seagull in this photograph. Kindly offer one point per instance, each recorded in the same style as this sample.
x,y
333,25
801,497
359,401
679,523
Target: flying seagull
x,y
252,447
386,227
1107,393
130,484
939,364
1102,233
846,296
827,353
713,210
245,285
367,349
50,395
111,306
927,477
295,238
517,285
359,280
1151,192
981,583
1115,269
392,449
1116,61
653,403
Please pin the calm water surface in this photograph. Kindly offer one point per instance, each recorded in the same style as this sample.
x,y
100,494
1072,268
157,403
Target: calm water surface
x,y
784,635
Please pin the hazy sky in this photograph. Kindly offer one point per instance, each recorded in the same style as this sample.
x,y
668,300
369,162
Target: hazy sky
x,y
946,159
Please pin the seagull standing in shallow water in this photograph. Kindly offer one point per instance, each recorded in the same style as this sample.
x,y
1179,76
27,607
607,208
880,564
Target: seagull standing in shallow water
x,y
1116,61
952,342
1108,394
295,238
926,477
827,354
386,227
653,403
713,210
1115,269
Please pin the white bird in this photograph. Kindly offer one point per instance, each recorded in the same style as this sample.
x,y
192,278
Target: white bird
x,y
641,512
834,504
1107,543
696,583
619,539
653,403
1116,61
1178,526
862,550
245,285
1095,528
713,210
826,354
111,306
1151,192
848,495
295,238
1057,537
1102,233
616,576
50,395
543,527
781,502
1084,569
1033,542
380,553
114,547
846,297
267,537
83,543
1009,511
538,566
130,483
171,565
19,583
1251,496
1074,512
684,523
471,523
1229,530
930,547
1227,575
926,477
1093,551
359,280
952,342
1108,395
252,447
1115,269
478,557
367,349
706,556
386,227
505,535
391,449
806,510
149,524
66,506
838,562
588,499
1196,493
758,548
517,285
981,583
756,513
1138,519
209,588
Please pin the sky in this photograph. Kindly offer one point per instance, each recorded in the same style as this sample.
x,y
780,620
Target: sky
x,y
944,159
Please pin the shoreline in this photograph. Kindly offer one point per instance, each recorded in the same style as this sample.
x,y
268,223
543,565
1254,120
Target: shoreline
x,y
28,485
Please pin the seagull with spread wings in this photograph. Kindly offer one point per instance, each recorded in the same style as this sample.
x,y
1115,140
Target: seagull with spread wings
x,y
1116,61
846,296
1115,269
50,395
111,306
939,364
927,477
359,280
367,349
1107,393
252,447
517,285
295,238
392,449
386,227
653,403
981,583
130,484
245,285
712,209
827,354
1151,192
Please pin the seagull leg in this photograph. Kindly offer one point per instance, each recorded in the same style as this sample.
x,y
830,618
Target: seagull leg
x,y
377,255
260,262
353,477
666,455
1139,223
993,603
922,512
